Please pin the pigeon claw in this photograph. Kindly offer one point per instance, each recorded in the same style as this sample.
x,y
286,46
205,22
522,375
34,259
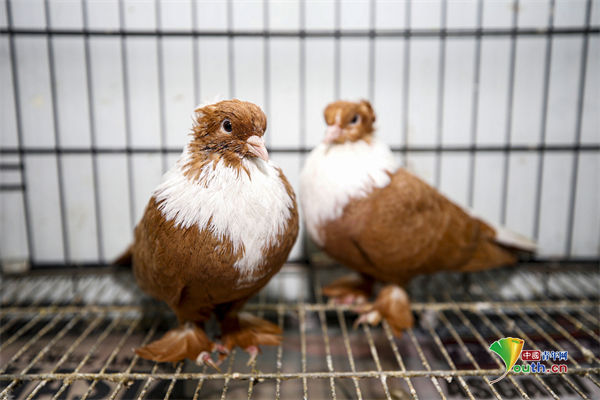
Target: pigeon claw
x,y
204,358
218,347
371,317
222,350
349,290
253,352
348,300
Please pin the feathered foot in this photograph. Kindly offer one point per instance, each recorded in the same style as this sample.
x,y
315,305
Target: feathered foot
x,y
350,289
205,358
186,341
393,305
248,332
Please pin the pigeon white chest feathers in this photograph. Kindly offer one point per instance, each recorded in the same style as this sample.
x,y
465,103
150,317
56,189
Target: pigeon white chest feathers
x,y
385,223
215,231
333,175
249,206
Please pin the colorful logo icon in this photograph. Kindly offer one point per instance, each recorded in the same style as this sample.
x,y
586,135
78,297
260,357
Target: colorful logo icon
x,y
509,350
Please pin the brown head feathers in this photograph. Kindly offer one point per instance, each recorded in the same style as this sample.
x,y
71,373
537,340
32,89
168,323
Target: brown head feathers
x,y
349,121
222,131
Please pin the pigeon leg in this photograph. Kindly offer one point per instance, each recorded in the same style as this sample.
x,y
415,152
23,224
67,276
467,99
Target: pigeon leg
x,y
253,352
350,289
393,305
248,332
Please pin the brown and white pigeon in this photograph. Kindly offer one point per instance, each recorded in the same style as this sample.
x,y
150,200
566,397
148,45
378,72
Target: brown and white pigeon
x,y
215,231
384,222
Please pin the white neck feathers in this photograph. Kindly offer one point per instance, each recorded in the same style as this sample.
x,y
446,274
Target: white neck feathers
x,y
250,211
334,174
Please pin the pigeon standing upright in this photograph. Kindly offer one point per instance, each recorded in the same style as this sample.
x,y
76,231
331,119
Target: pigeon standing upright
x,y
214,232
384,222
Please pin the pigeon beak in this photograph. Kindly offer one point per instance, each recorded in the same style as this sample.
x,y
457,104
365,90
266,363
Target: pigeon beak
x,y
332,133
256,146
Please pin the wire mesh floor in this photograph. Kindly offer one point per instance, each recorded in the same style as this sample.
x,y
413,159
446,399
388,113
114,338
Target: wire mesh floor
x,y
72,335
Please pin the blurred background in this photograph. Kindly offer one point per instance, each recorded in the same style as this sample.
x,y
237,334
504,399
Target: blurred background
x,y
494,102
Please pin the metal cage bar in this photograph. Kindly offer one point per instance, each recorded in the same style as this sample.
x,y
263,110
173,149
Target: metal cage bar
x,y
314,33
127,111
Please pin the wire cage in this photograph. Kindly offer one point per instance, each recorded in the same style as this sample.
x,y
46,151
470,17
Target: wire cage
x,y
493,102
71,336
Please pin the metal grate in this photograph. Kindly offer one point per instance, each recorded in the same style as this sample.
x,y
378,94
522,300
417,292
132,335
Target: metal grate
x,y
71,336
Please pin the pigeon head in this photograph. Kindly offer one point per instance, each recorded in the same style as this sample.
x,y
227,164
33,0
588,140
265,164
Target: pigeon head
x,y
348,121
230,129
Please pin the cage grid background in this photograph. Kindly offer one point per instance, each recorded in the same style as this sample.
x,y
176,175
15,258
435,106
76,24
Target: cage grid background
x,y
493,102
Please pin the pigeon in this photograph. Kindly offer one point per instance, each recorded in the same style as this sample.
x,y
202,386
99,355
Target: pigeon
x,y
384,222
216,229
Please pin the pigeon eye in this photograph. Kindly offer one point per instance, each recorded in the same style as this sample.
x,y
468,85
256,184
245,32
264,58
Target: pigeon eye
x,y
227,126
355,119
